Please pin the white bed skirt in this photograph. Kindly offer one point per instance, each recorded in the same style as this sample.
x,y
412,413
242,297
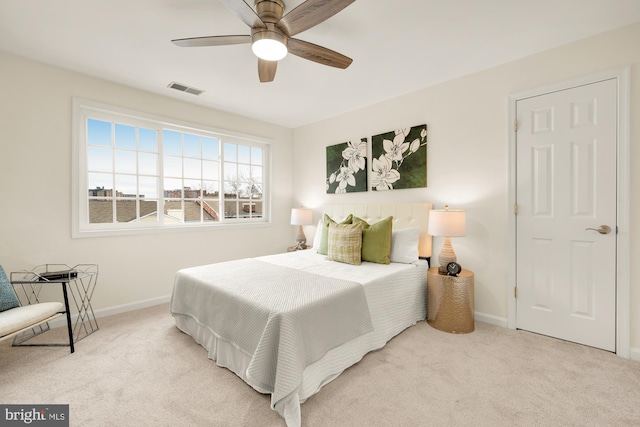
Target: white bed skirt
x,y
393,309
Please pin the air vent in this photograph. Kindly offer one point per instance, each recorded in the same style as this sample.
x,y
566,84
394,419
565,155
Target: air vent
x,y
185,88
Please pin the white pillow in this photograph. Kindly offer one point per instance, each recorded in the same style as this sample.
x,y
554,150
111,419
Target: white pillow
x,y
404,245
318,236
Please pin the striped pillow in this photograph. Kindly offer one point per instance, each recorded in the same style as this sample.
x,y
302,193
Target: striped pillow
x,y
345,243
323,247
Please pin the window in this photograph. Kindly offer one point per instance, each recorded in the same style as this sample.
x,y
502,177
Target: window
x,y
136,172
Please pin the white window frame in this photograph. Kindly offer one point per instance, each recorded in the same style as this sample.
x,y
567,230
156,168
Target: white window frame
x,y
85,109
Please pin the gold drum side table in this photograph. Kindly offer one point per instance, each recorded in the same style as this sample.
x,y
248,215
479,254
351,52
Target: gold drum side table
x,y
450,303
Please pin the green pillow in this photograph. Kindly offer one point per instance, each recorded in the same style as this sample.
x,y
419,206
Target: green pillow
x,y
324,241
345,243
376,240
8,298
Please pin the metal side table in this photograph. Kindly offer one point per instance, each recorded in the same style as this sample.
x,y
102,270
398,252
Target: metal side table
x,y
78,281
450,301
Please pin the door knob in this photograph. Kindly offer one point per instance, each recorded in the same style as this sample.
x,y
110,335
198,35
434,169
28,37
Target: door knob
x,y
604,229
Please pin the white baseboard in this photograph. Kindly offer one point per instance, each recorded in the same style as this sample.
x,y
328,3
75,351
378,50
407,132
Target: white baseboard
x,y
634,353
110,311
487,318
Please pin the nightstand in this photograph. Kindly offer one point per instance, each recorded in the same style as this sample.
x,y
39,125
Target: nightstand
x,y
450,306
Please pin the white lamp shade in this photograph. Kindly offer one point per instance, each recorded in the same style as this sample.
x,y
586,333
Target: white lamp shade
x,y
301,216
446,223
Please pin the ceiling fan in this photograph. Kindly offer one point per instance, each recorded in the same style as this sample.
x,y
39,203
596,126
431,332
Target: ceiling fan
x,y
272,31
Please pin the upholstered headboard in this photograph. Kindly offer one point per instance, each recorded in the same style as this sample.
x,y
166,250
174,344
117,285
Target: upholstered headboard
x,y
405,215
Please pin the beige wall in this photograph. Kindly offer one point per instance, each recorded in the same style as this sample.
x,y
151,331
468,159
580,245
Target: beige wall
x,y
35,185
467,154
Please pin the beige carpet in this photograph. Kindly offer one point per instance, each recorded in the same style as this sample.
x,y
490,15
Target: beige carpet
x,y
139,370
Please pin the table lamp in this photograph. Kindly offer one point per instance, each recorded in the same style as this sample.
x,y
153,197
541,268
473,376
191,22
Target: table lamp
x,y
300,217
447,224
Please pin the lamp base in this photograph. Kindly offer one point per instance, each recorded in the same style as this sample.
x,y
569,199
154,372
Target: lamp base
x,y
446,256
301,239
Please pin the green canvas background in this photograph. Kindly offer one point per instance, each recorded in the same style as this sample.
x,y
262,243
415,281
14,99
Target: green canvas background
x,y
334,161
413,171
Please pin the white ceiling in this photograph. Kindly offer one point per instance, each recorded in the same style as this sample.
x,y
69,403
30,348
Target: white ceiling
x,y
397,47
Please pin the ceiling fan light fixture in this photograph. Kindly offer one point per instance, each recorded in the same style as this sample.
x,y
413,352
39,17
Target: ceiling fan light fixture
x,y
269,45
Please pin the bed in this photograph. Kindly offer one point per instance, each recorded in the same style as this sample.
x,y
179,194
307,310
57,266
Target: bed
x,y
288,324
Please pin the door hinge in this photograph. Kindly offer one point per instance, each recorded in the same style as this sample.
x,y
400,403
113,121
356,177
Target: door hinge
x,y
515,125
515,292
515,209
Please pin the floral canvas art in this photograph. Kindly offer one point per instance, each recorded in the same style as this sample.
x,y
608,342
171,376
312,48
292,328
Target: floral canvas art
x,y
347,167
399,159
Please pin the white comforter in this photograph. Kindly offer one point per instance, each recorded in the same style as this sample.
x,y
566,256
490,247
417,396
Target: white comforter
x,y
283,318
395,295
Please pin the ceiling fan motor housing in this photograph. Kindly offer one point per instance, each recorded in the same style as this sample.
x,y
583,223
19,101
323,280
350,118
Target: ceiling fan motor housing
x,y
271,33
270,11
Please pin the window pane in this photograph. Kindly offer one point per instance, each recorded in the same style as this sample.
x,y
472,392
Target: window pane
x,y
148,187
244,173
244,190
192,211
100,159
256,155
100,211
230,190
191,146
230,171
210,148
102,182
256,191
192,189
230,153
147,140
126,186
98,132
171,142
244,154
192,168
230,209
125,161
211,210
147,164
173,212
148,210
173,166
210,170
210,188
126,210
256,174
125,137
172,188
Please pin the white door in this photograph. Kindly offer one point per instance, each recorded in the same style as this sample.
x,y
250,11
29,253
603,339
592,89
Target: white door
x,y
566,187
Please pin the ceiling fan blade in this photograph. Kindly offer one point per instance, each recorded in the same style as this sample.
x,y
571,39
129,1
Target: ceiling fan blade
x,y
309,14
267,70
245,13
212,41
318,54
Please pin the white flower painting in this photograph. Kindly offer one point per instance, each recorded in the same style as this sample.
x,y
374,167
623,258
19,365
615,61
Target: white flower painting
x,y
347,167
399,159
